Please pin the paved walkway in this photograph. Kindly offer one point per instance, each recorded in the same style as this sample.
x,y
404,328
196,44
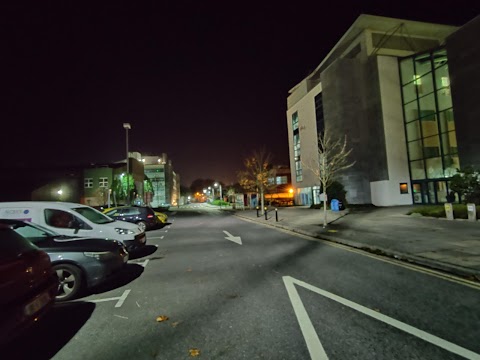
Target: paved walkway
x,y
449,246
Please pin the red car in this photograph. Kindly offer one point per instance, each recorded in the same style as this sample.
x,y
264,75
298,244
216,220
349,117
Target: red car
x,y
28,284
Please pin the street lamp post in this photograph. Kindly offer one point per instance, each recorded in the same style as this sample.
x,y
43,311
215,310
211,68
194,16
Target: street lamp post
x,y
127,127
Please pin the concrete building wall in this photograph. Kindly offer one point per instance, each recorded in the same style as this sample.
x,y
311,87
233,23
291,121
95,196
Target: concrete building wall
x,y
386,192
463,52
344,105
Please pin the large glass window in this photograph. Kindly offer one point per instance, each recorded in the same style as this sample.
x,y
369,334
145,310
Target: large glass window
x,y
444,100
296,147
411,111
423,64
424,84
409,93
413,130
429,122
446,120
406,68
415,150
295,121
418,170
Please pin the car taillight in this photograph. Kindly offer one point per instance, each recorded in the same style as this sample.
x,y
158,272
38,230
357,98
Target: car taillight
x,y
150,216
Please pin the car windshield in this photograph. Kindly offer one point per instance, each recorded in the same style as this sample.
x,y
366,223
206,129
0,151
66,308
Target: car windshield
x,y
93,215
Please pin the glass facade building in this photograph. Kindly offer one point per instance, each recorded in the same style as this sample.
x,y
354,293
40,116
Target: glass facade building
x,y
296,148
429,125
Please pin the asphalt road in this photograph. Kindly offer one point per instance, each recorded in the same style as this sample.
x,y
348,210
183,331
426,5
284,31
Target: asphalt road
x,y
268,295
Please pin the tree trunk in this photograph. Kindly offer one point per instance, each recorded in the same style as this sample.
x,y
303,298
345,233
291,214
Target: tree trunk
x,y
325,210
261,200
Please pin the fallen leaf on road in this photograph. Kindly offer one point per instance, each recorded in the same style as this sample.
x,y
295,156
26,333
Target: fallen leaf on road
x,y
162,318
194,352
189,270
175,324
334,231
377,310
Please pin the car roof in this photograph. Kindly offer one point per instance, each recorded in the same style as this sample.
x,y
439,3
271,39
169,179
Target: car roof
x,y
40,204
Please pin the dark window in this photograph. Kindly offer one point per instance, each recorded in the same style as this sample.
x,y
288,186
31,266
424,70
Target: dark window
x,y
319,113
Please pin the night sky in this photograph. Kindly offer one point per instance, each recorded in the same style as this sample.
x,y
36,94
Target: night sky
x,y
205,82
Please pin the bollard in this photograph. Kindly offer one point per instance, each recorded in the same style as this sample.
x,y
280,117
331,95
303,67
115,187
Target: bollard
x,y
258,215
266,214
276,214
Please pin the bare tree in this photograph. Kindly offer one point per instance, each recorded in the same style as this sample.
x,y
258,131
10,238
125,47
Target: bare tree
x,y
258,173
333,157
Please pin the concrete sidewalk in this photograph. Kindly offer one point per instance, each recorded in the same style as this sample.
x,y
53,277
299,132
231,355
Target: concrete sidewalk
x,y
448,246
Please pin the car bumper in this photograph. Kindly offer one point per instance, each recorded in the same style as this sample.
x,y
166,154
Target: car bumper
x,y
24,313
99,271
138,242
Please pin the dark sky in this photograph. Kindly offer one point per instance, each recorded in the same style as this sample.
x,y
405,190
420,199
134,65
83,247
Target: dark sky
x,y
203,81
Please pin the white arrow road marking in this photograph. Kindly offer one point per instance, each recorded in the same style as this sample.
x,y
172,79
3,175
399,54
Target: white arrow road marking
x,y
120,299
311,338
235,239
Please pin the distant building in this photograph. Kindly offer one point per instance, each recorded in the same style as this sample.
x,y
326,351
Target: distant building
x,y
165,182
105,184
281,192
406,95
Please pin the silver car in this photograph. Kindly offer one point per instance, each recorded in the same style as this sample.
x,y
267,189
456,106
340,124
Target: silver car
x,y
79,264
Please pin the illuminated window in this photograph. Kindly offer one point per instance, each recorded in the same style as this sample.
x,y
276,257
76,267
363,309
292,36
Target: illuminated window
x,y
88,182
403,188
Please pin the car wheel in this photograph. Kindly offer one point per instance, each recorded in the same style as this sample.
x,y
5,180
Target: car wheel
x,y
142,225
70,281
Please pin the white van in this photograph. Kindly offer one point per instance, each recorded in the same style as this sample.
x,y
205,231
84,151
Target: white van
x,y
73,219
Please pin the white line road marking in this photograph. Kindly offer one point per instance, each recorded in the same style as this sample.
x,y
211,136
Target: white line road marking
x,y
312,339
121,317
144,264
122,298
161,237
155,237
137,303
118,299
235,239
314,345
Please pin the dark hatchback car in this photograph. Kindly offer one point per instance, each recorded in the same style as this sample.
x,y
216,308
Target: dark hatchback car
x,y
80,263
143,216
28,284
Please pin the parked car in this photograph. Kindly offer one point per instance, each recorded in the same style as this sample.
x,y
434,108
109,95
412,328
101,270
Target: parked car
x,y
80,263
161,217
143,216
28,284
73,219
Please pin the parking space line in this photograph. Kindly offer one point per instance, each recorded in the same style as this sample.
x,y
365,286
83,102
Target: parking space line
x,y
122,298
119,299
313,342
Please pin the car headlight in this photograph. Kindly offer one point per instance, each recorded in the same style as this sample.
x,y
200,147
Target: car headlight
x,y
124,231
100,255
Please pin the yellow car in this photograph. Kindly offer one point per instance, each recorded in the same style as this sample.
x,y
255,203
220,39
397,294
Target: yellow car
x,y
161,217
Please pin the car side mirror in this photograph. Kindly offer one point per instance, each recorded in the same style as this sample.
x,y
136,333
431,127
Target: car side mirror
x,y
75,224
